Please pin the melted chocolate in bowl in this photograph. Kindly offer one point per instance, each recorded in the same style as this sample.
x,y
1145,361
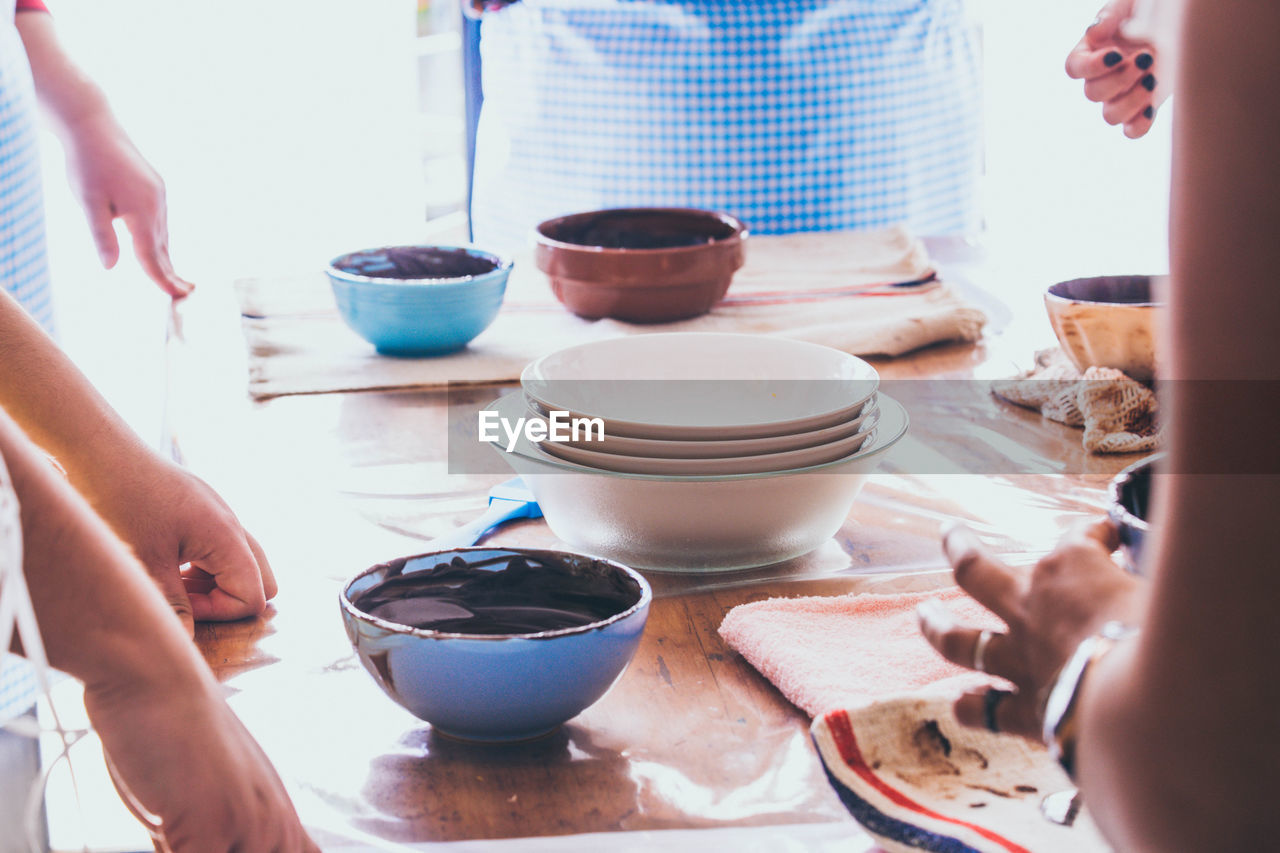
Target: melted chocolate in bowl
x,y
1109,289
641,229
414,262
529,594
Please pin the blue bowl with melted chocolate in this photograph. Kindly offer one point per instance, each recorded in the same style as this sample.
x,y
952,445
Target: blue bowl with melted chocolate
x,y
413,301
496,644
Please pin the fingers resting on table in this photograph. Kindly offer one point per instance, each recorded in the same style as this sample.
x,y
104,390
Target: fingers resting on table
x,y
1048,609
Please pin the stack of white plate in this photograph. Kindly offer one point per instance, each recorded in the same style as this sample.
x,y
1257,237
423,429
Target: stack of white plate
x,y
700,452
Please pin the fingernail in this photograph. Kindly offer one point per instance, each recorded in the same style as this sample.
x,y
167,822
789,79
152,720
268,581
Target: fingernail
x,y
1112,58
958,540
1149,82
1143,61
933,613
1149,112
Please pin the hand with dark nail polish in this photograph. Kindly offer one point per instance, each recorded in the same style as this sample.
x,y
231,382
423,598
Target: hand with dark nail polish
x,y
1118,66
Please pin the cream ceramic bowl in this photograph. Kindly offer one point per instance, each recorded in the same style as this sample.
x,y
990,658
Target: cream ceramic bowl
x,y
695,386
1107,321
759,463
699,524
655,448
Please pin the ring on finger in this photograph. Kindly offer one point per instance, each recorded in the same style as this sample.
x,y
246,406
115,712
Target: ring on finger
x,y
990,702
980,650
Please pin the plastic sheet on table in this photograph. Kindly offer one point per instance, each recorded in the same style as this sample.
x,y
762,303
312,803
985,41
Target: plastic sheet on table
x,y
692,743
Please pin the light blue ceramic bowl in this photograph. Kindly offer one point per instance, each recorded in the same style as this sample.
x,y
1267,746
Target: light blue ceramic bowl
x,y
497,687
421,316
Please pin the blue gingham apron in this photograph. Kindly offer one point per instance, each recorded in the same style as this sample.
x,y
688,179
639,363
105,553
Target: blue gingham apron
x,y
17,679
24,269
24,266
19,758
17,687
794,115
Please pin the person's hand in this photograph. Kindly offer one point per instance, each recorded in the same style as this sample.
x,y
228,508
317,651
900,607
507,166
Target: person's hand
x,y
1049,611
174,744
114,181
1119,72
170,517
106,170
173,519
180,756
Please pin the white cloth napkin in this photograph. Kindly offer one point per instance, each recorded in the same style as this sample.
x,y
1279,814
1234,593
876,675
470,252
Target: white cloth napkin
x,y
832,288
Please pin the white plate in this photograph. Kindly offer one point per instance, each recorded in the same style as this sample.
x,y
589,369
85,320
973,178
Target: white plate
x,y
654,448
786,460
696,386
698,524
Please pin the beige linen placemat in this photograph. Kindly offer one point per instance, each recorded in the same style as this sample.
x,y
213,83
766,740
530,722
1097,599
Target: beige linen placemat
x,y
828,288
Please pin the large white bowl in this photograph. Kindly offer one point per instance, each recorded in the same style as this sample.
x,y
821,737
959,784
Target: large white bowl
x,y
803,457
694,386
656,448
699,524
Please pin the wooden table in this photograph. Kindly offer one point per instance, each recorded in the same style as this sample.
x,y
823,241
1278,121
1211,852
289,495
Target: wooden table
x,y
691,738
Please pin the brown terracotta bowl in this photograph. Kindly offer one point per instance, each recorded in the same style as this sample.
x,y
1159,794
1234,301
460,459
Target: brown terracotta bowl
x,y
642,265
1107,321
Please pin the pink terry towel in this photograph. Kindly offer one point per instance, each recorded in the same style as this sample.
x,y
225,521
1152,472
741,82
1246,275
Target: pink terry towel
x,y
832,652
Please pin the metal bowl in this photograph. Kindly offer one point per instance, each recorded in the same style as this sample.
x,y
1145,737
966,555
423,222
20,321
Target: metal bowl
x,y
1130,509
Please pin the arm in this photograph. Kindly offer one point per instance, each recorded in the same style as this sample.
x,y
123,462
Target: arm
x,y
1183,725
167,515
170,736
110,176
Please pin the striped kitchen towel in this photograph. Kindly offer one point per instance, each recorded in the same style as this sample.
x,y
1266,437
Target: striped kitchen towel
x,y
918,780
